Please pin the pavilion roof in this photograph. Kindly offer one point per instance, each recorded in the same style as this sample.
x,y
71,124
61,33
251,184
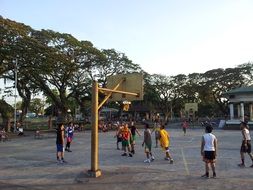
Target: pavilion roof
x,y
240,90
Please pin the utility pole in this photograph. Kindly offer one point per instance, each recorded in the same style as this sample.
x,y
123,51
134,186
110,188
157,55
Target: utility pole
x,y
15,95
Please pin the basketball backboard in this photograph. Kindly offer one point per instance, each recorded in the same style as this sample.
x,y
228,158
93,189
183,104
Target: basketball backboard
x,y
191,106
132,82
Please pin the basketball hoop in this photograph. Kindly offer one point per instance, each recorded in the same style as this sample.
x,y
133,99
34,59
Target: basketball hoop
x,y
126,105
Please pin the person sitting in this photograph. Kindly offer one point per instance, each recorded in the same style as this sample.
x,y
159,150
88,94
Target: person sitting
x,y
20,131
3,135
37,134
105,128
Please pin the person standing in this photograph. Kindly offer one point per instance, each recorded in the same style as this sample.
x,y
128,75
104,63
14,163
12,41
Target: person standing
x,y
246,144
118,135
209,150
185,125
156,128
60,143
147,141
165,143
126,135
69,136
134,130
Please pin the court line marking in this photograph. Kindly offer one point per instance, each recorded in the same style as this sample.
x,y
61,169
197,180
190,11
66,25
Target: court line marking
x,y
187,141
185,162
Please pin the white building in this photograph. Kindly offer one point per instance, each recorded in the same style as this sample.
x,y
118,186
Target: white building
x,y
240,104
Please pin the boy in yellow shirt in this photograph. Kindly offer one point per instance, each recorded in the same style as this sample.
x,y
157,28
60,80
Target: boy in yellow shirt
x,y
165,142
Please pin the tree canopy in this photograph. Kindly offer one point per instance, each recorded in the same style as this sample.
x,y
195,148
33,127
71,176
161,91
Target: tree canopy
x,y
62,68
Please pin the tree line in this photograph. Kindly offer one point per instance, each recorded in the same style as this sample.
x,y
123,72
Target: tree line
x,y
62,68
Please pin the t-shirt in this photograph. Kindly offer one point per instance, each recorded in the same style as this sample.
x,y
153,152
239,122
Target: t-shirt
x,y
185,125
59,139
209,139
70,132
125,134
147,137
133,130
246,134
164,138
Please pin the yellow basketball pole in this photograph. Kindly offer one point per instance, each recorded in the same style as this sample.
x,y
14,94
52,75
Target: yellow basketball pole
x,y
94,171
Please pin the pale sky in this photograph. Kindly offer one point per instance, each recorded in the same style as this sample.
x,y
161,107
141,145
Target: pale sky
x,y
167,37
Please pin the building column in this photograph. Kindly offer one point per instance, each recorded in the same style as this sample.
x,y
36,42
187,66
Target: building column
x,y
238,111
251,112
242,111
231,109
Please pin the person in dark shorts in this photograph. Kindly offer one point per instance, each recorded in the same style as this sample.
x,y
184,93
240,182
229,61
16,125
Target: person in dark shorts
x,y
60,143
118,135
209,150
134,130
246,144
147,141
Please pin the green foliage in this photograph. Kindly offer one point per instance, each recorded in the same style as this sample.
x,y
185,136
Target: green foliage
x,y
62,68
37,106
6,110
56,64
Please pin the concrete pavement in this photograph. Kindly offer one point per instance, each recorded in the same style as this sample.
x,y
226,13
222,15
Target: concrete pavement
x,y
27,163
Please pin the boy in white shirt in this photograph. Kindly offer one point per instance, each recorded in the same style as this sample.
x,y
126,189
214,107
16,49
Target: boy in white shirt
x,y
209,150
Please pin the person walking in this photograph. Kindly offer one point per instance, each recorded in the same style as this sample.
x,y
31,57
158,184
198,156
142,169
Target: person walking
x,y
246,144
69,136
185,125
60,143
209,150
147,141
165,143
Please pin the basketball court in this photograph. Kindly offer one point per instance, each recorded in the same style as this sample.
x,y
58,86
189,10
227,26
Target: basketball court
x,y
27,163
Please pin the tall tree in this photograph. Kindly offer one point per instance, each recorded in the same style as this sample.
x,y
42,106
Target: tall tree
x,y
37,106
6,111
163,87
16,53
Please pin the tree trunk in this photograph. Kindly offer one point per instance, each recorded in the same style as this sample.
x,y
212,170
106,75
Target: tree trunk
x,y
7,124
7,113
50,124
24,107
